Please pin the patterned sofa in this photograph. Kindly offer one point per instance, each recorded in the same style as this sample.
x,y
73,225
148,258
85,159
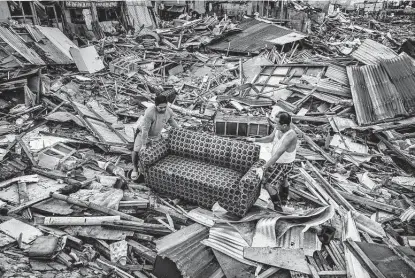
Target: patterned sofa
x,y
204,169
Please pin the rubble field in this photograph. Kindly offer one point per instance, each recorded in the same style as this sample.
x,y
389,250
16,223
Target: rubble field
x,y
69,114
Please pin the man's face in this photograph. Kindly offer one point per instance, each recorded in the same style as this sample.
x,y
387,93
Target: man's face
x,y
279,126
161,108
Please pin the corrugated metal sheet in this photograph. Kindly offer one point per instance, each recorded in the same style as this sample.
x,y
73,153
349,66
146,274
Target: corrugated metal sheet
x,y
337,73
371,52
255,36
19,46
375,97
294,238
138,13
227,240
183,247
327,85
362,102
402,74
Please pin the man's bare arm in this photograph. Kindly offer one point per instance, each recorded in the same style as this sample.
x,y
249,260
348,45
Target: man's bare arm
x,y
266,139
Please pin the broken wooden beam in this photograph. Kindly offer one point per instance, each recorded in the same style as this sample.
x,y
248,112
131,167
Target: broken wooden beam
x,y
93,206
25,179
396,150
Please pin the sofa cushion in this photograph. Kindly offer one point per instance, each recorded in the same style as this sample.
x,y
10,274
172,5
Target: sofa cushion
x,y
195,181
189,144
243,155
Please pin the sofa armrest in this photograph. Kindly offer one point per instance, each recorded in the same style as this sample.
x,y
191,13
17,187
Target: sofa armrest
x,y
153,153
250,186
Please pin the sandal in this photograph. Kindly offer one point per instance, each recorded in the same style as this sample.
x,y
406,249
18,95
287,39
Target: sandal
x,y
134,175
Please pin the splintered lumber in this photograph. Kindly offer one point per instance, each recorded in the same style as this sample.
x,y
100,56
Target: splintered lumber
x,y
143,251
313,144
370,203
143,237
356,249
396,150
188,112
74,221
93,206
154,229
330,190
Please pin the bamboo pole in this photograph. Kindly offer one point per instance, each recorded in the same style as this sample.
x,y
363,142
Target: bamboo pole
x,y
75,221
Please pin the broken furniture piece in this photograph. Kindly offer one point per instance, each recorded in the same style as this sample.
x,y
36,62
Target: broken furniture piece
x,y
234,125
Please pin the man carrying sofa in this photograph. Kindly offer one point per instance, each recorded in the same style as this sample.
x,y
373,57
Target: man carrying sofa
x,y
155,119
277,168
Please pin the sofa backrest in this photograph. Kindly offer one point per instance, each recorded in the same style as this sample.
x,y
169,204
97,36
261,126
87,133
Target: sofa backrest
x,y
213,149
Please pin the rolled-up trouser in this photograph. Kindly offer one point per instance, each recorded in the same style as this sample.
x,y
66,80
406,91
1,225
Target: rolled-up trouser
x,y
275,175
138,141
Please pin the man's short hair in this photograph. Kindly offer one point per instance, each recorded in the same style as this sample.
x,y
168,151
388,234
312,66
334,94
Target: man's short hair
x,y
160,99
284,118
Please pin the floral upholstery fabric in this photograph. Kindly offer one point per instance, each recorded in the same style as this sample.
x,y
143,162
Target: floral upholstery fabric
x,y
205,169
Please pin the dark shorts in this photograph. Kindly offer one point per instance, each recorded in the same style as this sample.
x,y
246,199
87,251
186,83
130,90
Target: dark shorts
x,y
277,173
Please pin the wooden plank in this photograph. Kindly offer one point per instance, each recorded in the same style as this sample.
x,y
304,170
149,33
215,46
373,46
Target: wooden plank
x,y
367,202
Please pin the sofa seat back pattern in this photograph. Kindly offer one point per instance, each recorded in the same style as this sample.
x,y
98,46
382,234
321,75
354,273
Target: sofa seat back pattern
x,y
204,169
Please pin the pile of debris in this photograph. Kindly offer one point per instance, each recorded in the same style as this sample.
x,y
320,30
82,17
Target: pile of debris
x,y
69,209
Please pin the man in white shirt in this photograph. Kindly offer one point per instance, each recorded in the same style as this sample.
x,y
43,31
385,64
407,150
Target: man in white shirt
x,y
277,168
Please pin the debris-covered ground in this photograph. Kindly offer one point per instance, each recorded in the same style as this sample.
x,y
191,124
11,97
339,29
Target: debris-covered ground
x,y
69,116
